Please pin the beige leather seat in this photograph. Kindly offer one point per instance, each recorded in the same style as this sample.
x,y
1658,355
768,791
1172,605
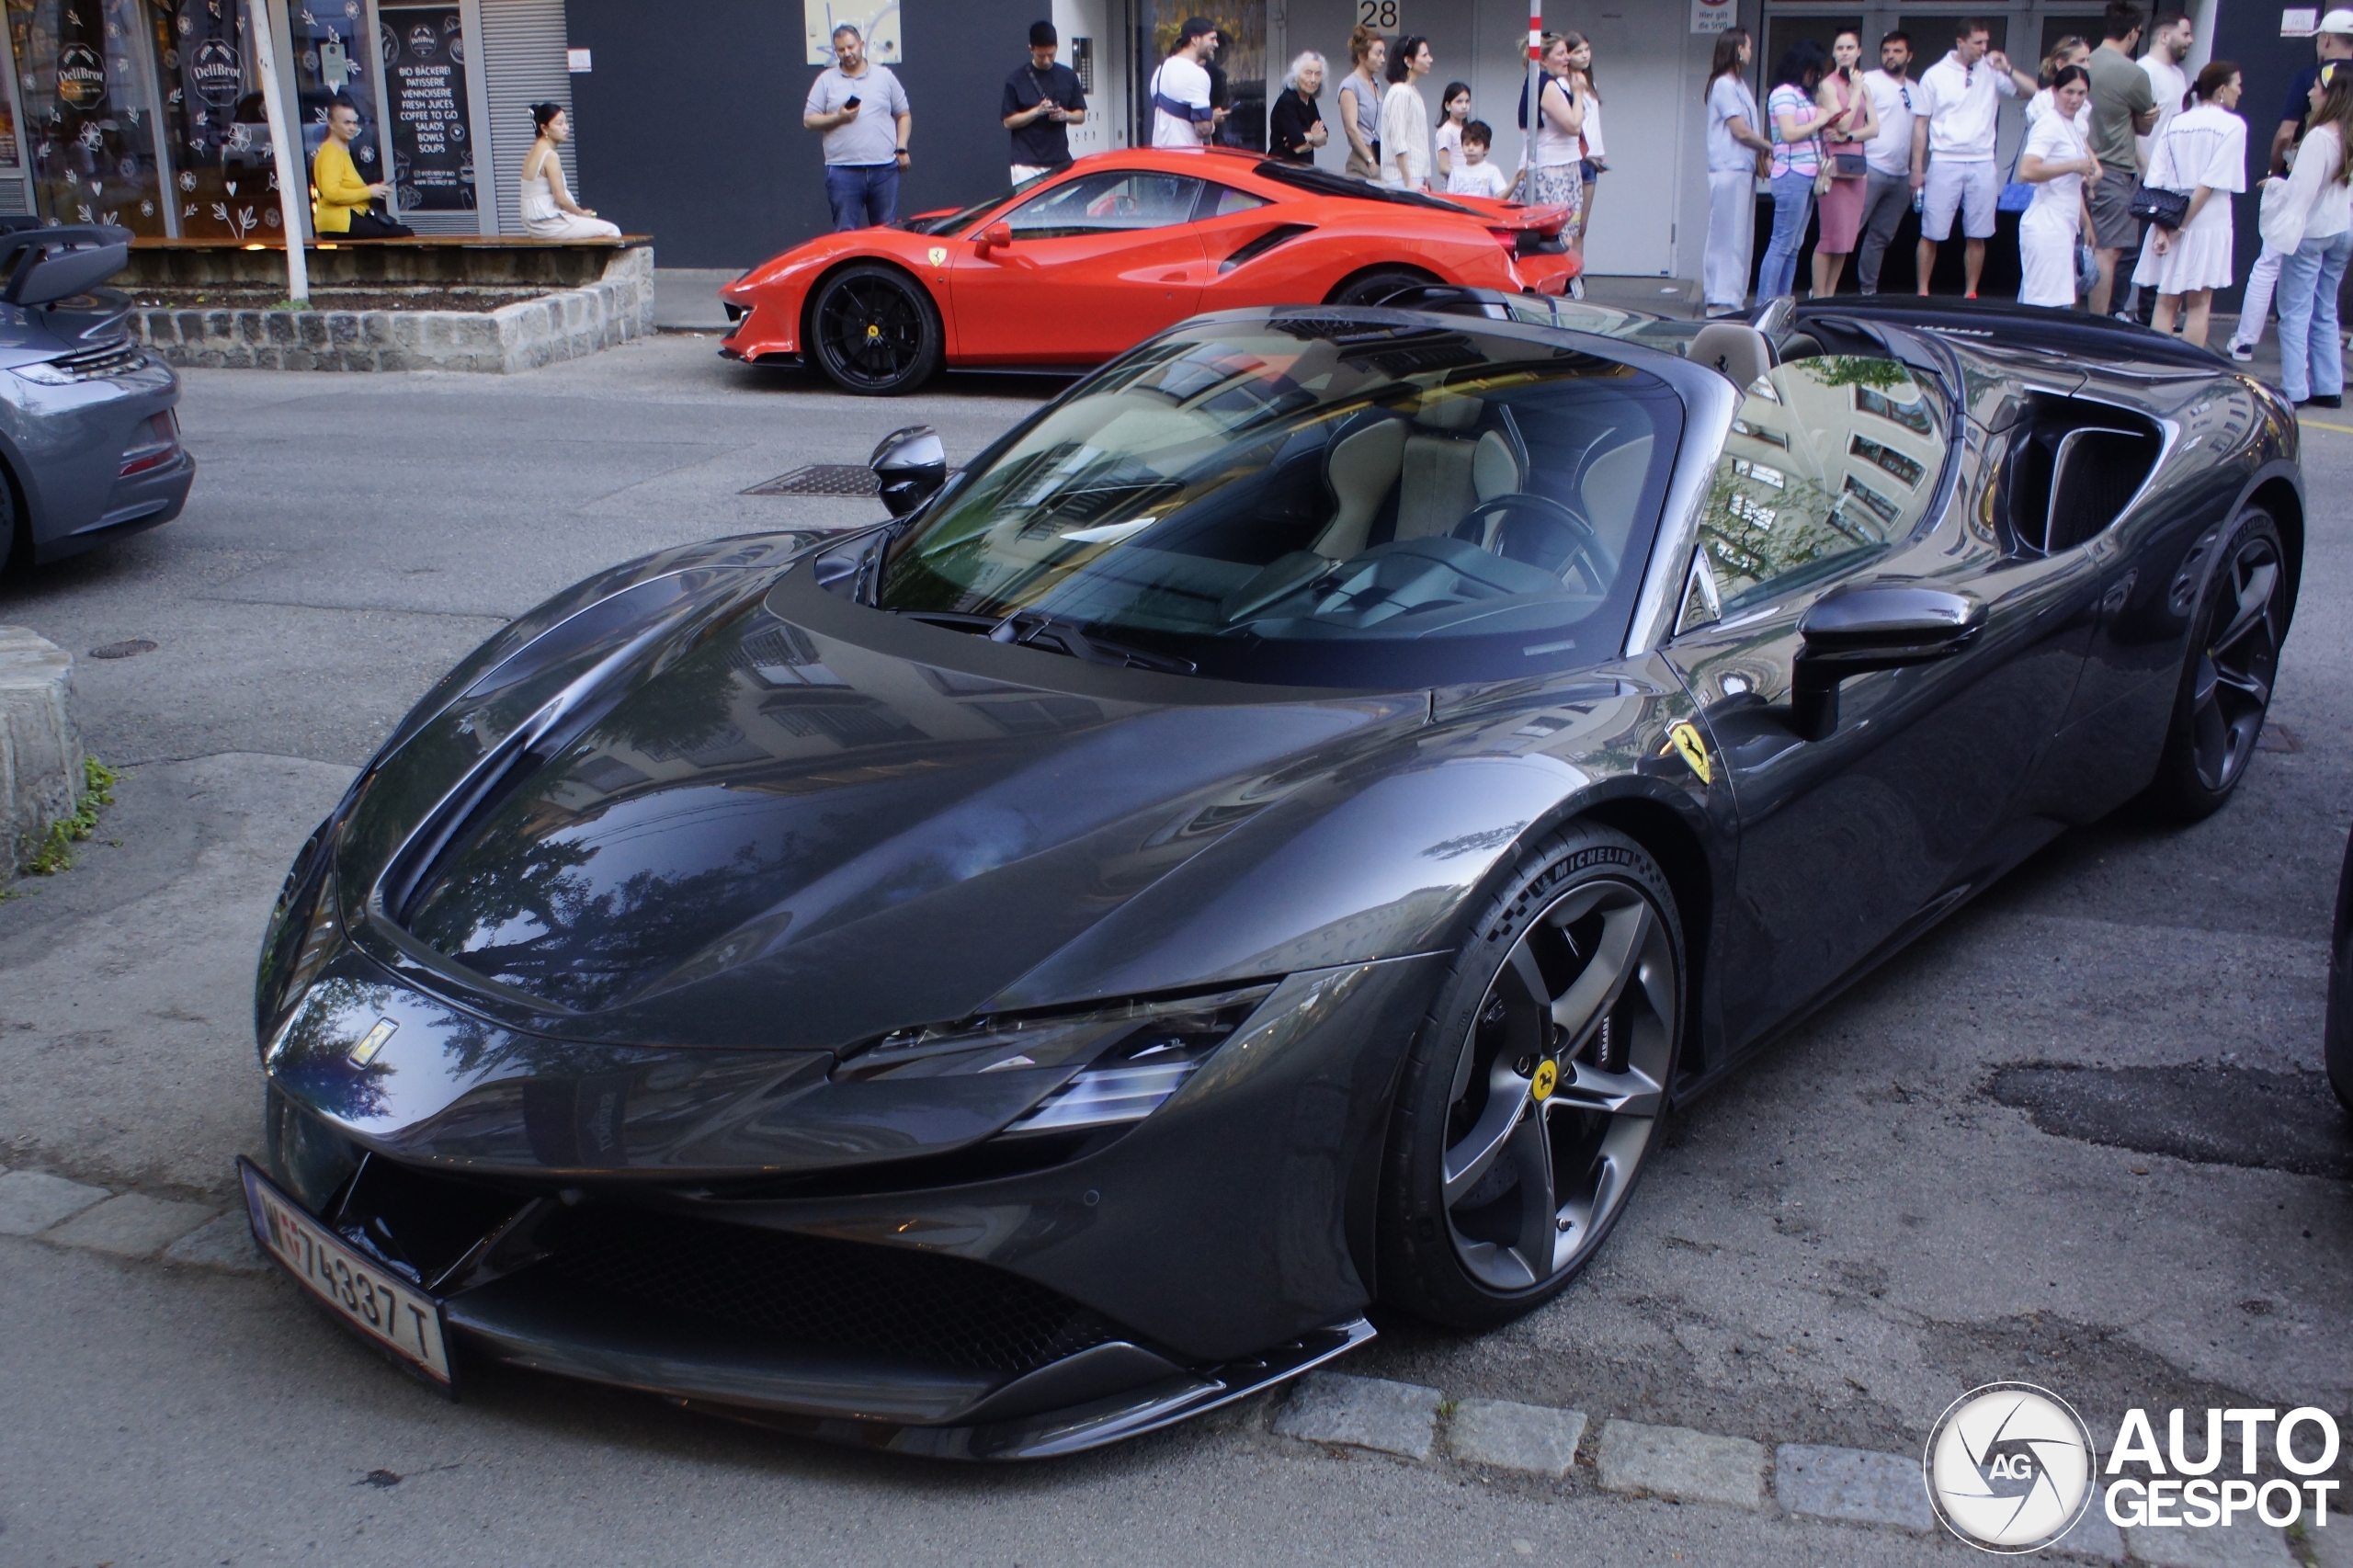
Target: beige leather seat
x,y
1737,349
1446,472
1440,470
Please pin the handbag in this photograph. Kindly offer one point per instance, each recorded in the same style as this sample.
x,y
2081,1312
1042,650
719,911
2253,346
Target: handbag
x,y
2166,208
2087,268
1845,165
2017,195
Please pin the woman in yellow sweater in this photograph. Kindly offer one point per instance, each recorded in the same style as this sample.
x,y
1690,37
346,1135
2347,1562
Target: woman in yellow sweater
x,y
339,196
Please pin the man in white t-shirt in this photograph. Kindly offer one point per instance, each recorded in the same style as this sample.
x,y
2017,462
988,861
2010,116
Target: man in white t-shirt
x,y
2169,46
1181,115
1956,108
2170,40
1887,190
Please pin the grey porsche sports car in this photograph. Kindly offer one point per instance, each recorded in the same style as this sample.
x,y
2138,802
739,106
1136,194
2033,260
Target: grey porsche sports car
x,y
1274,833
89,438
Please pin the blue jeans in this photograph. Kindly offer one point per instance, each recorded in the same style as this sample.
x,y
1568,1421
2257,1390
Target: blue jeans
x,y
1792,205
2311,354
862,194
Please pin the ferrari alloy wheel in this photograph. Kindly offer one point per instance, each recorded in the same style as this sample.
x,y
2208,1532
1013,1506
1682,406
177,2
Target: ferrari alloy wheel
x,y
2227,684
1535,1089
874,331
1372,288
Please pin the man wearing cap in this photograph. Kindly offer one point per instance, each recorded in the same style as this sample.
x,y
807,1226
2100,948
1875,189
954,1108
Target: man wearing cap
x,y
2333,43
1181,113
1042,100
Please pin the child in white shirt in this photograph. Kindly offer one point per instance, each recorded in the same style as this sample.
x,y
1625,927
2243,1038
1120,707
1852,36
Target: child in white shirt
x,y
1471,174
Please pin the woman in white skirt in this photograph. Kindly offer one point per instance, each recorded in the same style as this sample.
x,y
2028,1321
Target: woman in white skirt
x,y
2203,153
2055,162
549,211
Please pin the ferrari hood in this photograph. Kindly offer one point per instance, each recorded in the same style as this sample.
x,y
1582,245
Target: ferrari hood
x,y
775,836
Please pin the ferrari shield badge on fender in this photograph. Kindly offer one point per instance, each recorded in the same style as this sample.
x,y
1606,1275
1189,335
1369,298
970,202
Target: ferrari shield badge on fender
x,y
938,254
1683,738
371,1042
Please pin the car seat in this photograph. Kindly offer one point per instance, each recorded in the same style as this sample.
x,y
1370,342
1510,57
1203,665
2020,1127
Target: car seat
x,y
1437,468
1737,349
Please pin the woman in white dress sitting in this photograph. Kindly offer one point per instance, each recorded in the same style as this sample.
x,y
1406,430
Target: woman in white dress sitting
x,y
549,211
2055,161
2202,154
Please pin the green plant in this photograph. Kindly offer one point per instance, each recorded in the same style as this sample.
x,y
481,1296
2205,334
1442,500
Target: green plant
x,y
56,853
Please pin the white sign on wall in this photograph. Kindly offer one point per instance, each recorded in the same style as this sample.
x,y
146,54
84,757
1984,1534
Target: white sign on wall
x,y
1380,15
2299,22
1712,16
877,22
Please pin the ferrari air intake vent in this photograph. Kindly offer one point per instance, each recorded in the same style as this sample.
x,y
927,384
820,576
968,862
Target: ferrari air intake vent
x,y
915,1307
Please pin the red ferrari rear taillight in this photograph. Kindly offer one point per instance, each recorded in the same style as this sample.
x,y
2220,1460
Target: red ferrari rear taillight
x,y
1507,238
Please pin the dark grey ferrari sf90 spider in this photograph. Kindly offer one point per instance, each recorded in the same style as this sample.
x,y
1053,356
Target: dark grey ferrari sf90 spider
x,y
1274,833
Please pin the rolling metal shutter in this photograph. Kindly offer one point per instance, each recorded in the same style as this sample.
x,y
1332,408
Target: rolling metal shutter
x,y
523,63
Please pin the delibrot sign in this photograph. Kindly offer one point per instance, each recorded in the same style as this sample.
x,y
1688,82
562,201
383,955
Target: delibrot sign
x,y
433,159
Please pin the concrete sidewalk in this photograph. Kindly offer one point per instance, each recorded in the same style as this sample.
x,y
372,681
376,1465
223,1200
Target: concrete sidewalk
x,y
685,299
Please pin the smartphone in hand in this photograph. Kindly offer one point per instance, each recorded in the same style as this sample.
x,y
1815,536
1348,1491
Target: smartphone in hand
x,y
852,101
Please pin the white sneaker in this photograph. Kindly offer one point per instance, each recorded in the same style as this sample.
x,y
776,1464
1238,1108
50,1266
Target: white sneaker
x,y
2242,352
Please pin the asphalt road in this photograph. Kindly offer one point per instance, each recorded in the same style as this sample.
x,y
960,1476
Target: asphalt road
x,y
2076,1136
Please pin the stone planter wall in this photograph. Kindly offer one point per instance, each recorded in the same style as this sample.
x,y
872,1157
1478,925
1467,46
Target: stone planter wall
x,y
41,752
521,336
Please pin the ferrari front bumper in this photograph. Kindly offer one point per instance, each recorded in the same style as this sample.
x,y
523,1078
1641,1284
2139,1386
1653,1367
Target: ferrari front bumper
x,y
739,1231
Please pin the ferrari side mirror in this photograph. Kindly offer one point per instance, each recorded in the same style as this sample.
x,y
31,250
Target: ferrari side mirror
x,y
910,465
1883,623
995,234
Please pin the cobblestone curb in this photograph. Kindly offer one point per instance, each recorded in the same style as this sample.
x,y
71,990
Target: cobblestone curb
x,y
129,1224
1853,1486
1363,1412
41,753
569,324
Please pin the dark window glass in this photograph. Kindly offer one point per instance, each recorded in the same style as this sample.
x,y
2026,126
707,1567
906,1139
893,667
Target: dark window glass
x,y
1317,503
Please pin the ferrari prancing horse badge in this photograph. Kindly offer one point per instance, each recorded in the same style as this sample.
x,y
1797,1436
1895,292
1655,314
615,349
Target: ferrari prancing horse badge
x,y
1683,738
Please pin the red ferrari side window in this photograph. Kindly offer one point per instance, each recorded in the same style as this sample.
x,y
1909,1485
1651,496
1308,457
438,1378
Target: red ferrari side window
x,y
1112,201
1223,201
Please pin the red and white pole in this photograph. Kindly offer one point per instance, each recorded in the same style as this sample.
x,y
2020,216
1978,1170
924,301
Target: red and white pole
x,y
1535,95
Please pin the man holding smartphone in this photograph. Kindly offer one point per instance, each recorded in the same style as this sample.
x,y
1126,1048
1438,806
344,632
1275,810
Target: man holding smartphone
x,y
1042,100
862,111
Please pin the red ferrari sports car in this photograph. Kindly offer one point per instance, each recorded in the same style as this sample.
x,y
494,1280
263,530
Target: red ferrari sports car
x,y
1076,266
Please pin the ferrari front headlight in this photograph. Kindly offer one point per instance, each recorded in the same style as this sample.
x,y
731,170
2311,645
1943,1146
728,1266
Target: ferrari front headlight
x,y
1136,1054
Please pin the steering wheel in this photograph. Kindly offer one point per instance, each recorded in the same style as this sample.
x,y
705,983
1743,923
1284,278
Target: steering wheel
x,y
1540,531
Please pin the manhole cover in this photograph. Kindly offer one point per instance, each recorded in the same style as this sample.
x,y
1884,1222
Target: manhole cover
x,y
849,479
123,650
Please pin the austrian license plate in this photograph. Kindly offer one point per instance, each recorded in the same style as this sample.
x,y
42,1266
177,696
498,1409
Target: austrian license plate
x,y
388,1310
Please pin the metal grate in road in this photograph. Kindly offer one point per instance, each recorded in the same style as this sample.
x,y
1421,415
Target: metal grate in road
x,y
847,480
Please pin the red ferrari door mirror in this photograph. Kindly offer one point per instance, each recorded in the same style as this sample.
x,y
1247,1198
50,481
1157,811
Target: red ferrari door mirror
x,y
993,235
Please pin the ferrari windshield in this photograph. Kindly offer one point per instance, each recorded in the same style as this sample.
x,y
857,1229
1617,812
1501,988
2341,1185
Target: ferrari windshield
x,y
1368,500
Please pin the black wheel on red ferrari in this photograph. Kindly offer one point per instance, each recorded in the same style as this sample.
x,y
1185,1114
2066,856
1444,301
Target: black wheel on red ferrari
x,y
2226,685
874,331
1535,1089
1372,288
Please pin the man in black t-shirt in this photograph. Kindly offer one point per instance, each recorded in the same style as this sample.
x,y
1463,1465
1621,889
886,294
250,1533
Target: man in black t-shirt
x,y
1041,101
